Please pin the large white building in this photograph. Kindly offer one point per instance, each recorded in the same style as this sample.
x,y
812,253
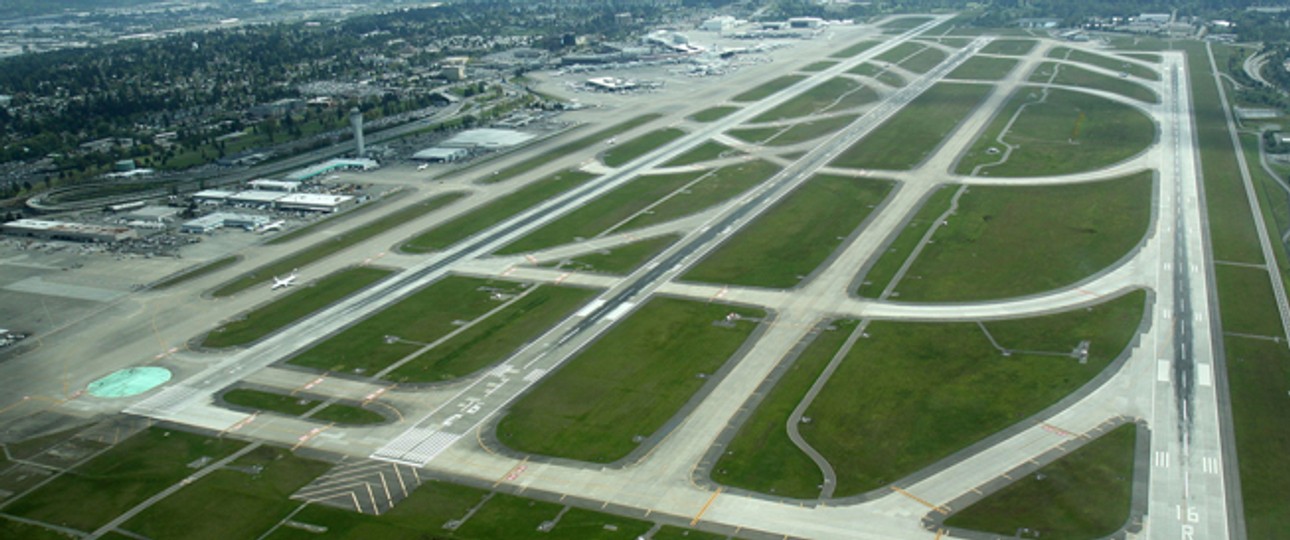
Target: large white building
x,y
62,230
219,220
314,202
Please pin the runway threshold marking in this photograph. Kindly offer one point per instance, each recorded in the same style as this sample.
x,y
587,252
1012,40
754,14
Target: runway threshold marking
x,y
706,505
922,501
1056,430
514,472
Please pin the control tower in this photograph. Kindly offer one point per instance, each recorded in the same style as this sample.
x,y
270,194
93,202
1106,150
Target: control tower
x,y
356,120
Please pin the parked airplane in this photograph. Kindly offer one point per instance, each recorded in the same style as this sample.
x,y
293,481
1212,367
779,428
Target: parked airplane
x,y
271,226
423,166
279,283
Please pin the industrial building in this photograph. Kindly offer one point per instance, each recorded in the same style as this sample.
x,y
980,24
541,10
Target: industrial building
x,y
309,173
151,214
610,84
61,230
212,196
274,185
314,202
487,138
261,199
219,220
441,155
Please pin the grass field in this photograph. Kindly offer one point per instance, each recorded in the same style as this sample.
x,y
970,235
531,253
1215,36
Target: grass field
x,y
188,275
424,513
924,60
1013,241
231,503
493,339
877,419
707,151
425,510
421,318
879,73
1148,57
831,95
1010,47
1257,318
854,49
1258,371
724,184
108,485
1082,78
1231,225
498,210
1085,494
885,268
339,413
904,23
603,213
984,68
623,259
908,138
761,457
768,88
712,114
1062,133
293,306
335,244
624,153
558,152
1105,62
797,133
818,66
626,384
899,53
781,247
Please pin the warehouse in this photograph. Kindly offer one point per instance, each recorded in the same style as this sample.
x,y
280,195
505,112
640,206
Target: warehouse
x,y
314,202
441,155
332,165
274,185
487,138
60,230
219,220
151,214
212,196
255,199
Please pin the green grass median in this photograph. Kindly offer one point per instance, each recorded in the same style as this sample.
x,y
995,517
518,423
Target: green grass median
x,y
1059,132
603,213
493,339
1013,241
1085,494
912,393
602,403
626,152
293,306
761,457
339,413
908,138
406,326
500,209
789,241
